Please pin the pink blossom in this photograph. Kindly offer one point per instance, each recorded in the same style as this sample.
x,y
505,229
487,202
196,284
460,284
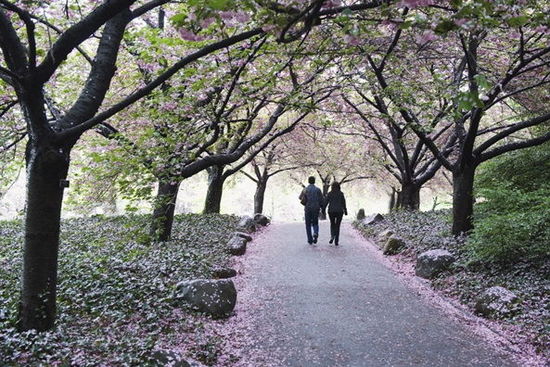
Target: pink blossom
x,y
352,40
169,106
190,36
460,22
543,29
427,36
205,23
269,27
332,3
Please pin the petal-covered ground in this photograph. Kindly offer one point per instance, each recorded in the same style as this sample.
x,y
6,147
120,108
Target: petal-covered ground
x,y
322,305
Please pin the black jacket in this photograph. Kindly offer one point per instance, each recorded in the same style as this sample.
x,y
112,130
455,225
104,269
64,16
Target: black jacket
x,y
336,202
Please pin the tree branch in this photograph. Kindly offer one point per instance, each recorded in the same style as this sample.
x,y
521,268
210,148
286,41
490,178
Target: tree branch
x,y
516,127
514,146
77,34
136,96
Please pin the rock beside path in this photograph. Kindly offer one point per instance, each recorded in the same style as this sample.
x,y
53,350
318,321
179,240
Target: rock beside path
x,y
393,246
244,235
247,224
384,235
224,273
433,262
372,219
261,220
237,245
496,301
214,297
361,214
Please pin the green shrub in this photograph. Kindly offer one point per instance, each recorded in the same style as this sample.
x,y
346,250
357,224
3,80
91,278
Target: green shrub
x,y
512,225
512,221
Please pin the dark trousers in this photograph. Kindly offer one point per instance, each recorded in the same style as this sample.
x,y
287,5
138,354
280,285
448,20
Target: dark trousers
x,y
335,221
312,220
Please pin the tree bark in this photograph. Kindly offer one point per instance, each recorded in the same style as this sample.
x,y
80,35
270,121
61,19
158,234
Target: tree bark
x,y
463,198
326,187
163,213
409,197
392,200
213,200
259,195
47,168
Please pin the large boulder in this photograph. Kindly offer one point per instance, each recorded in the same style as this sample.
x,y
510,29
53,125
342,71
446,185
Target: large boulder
x,y
223,273
496,301
261,220
215,297
237,245
373,219
361,214
247,224
393,246
433,262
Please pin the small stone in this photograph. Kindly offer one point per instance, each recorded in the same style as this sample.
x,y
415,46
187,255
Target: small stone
x,y
237,246
361,214
261,219
496,301
373,219
224,273
393,246
433,262
246,236
247,224
216,297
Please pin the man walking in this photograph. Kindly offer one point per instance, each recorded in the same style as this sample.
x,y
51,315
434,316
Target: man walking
x,y
312,198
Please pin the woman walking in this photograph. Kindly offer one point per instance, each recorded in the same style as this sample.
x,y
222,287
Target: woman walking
x,y
336,203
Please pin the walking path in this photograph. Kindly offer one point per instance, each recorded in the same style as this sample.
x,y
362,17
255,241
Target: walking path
x,y
326,306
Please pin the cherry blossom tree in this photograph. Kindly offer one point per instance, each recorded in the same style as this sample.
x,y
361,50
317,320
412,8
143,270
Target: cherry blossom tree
x,y
505,51
32,60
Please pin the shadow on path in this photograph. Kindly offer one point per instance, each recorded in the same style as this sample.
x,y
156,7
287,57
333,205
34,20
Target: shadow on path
x,y
327,306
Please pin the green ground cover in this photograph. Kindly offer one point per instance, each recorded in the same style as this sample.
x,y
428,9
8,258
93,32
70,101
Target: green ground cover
x,y
114,290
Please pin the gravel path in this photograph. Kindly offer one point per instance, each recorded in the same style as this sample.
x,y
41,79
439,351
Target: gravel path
x,y
327,306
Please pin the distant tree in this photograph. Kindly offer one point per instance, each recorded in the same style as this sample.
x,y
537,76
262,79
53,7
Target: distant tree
x,y
273,160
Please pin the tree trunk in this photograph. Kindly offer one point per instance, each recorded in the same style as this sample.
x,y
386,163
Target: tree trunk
x,y
163,213
326,187
463,198
409,197
47,168
213,200
261,186
392,199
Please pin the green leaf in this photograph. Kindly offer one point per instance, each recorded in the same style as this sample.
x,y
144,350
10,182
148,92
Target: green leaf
x,y
518,21
445,26
347,12
218,4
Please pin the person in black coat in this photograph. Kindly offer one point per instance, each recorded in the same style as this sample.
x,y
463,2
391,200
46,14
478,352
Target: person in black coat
x,y
336,203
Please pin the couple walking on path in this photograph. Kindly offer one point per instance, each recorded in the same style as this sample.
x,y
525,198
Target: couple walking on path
x,y
313,201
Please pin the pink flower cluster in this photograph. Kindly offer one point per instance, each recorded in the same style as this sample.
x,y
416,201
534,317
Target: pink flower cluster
x,y
187,35
233,18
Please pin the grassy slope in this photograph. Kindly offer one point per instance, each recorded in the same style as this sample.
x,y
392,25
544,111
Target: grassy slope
x,y
423,231
114,291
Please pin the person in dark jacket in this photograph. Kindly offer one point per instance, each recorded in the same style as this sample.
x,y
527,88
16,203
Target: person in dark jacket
x,y
312,198
336,203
